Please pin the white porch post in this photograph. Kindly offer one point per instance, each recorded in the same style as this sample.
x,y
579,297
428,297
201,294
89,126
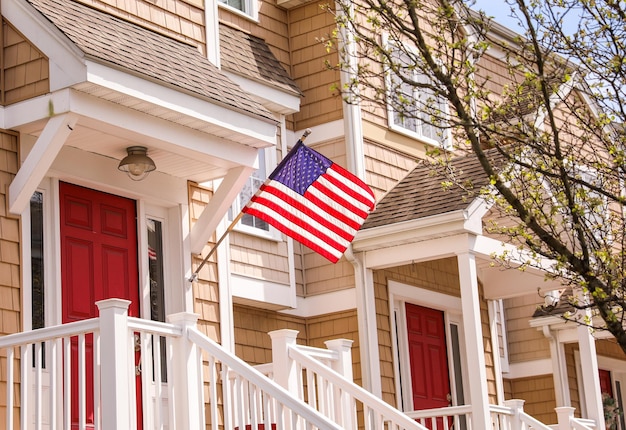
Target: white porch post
x,y
187,372
285,370
473,331
343,366
116,365
591,379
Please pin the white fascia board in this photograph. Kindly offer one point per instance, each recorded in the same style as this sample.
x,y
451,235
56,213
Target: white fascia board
x,y
321,304
67,62
247,126
271,97
448,223
133,125
425,250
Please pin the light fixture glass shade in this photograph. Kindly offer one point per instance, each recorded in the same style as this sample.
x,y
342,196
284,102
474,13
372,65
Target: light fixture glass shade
x,y
137,164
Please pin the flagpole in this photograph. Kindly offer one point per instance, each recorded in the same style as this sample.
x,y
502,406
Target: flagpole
x,y
194,276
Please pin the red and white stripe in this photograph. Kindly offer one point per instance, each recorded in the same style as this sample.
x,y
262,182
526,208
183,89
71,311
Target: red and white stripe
x,y
326,218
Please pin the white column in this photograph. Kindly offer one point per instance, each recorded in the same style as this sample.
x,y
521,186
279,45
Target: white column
x,y
187,375
115,365
559,367
591,378
475,351
284,368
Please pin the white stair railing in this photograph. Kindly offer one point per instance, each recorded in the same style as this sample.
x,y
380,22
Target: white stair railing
x,y
308,374
171,394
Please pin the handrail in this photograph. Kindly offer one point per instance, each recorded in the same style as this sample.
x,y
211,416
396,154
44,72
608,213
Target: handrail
x,y
441,412
48,333
582,424
154,327
254,376
533,422
357,392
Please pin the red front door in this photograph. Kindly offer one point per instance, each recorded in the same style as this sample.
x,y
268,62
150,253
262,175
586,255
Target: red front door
x,y
428,358
98,261
605,382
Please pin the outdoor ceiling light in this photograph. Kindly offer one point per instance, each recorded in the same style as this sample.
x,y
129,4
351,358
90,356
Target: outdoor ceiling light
x,y
137,164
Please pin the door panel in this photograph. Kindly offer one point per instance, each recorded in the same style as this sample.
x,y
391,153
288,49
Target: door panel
x,y
98,261
428,359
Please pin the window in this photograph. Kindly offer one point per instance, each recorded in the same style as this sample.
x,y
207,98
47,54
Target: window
x,y
250,223
37,270
414,109
244,6
157,284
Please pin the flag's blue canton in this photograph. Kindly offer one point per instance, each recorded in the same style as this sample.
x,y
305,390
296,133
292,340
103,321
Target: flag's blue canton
x,y
301,169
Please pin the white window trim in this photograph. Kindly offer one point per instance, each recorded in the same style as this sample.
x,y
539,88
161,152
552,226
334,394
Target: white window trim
x,y
273,233
251,12
446,142
399,294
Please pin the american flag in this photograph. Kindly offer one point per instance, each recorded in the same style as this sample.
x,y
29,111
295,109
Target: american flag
x,y
314,201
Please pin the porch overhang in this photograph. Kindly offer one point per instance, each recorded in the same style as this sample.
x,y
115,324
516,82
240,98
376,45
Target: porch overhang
x,y
448,235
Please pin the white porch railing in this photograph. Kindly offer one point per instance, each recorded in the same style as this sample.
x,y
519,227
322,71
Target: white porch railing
x,y
172,396
323,378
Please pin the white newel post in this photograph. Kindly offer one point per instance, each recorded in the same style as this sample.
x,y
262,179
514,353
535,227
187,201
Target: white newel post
x,y
187,372
343,366
115,365
564,416
284,368
517,406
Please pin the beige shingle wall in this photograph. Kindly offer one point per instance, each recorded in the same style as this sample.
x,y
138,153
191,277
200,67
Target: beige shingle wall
x,y
25,68
538,392
570,350
525,343
205,290
252,343
308,24
10,289
259,258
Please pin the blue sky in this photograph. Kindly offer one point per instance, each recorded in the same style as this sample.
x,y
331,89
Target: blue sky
x,y
499,10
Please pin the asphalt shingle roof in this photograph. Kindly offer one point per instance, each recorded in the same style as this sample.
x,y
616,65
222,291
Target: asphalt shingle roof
x,y
120,43
421,193
248,55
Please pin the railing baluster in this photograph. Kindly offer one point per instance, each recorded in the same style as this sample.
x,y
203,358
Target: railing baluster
x,y
227,392
38,386
53,398
97,411
172,418
67,383
10,388
82,386
145,342
158,377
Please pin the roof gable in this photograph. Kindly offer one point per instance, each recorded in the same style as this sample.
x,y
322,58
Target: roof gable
x,y
112,41
422,192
